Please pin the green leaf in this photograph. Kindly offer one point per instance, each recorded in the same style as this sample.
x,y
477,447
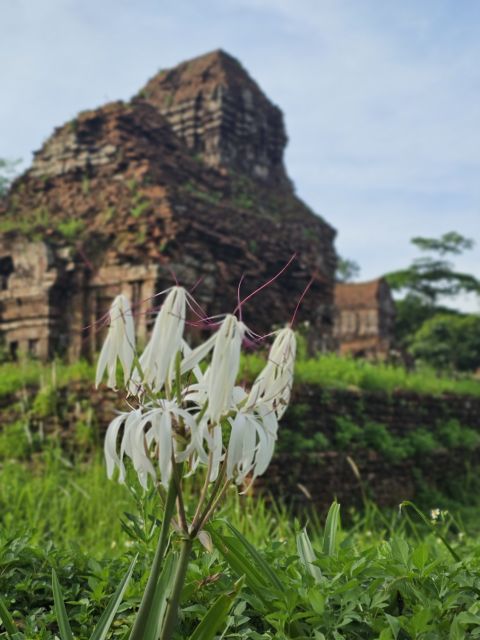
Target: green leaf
x,y
60,611
259,559
106,619
160,598
216,616
7,619
240,563
307,555
331,529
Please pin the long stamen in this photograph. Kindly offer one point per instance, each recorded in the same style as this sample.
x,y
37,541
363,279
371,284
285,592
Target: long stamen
x,y
292,321
265,284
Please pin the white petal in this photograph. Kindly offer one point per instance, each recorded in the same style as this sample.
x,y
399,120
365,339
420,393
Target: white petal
x,y
110,447
216,449
235,445
197,355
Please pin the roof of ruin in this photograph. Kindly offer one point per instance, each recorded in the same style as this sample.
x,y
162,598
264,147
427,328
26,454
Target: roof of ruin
x,y
205,73
359,295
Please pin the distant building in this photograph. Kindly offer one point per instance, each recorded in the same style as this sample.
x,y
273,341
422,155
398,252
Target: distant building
x,y
186,180
364,318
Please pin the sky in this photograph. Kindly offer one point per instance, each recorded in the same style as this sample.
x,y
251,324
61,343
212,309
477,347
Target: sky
x,y
381,98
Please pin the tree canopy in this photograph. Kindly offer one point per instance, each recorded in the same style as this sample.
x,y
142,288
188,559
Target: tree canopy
x,y
430,331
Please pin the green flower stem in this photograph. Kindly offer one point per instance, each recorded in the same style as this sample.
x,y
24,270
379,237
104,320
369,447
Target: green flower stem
x,y
146,603
174,600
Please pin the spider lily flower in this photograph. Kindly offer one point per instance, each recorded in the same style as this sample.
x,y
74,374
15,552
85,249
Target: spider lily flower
x,y
273,385
224,367
217,384
252,442
131,423
158,359
150,437
161,434
119,344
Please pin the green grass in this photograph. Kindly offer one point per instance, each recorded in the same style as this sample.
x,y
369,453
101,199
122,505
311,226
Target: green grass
x,y
327,370
335,372
18,375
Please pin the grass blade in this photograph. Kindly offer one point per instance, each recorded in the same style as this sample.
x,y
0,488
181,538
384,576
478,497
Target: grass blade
x,y
106,619
6,619
216,615
60,611
331,529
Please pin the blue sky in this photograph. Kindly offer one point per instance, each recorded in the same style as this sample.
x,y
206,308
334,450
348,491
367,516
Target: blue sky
x,y
381,97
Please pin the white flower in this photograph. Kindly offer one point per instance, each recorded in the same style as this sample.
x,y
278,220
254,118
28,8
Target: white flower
x,y
158,359
224,367
252,442
273,385
133,444
119,344
216,385
150,437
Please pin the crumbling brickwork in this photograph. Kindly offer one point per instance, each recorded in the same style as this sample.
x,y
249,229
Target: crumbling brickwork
x,y
222,115
120,199
364,318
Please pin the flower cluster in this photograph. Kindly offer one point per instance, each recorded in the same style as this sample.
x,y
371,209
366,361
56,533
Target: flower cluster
x,y
189,407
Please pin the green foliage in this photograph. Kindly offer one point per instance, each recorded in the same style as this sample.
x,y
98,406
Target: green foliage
x,y
32,224
451,242
32,373
267,577
140,208
448,341
45,402
429,278
346,432
347,270
452,434
423,283
71,229
211,197
15,441
329,370
332,371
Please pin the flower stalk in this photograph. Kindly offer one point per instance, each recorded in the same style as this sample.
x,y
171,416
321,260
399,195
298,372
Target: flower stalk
x,y
138,629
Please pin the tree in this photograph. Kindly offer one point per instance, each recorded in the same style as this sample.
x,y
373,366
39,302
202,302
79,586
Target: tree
x,y
428,279
449,341
347,270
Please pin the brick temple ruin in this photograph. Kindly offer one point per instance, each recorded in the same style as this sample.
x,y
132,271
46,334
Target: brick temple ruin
x,y
186,178
364,318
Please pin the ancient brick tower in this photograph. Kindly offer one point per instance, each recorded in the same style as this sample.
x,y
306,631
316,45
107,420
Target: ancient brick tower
x,y
187,177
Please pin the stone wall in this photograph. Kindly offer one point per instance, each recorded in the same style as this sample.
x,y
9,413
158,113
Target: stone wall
x,y
316,477
312,476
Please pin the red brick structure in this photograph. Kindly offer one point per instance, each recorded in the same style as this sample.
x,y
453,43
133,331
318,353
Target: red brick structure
x,y
364,318
188,177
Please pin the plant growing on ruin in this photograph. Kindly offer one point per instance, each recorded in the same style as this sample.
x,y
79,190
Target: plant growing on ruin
x,y
187,415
